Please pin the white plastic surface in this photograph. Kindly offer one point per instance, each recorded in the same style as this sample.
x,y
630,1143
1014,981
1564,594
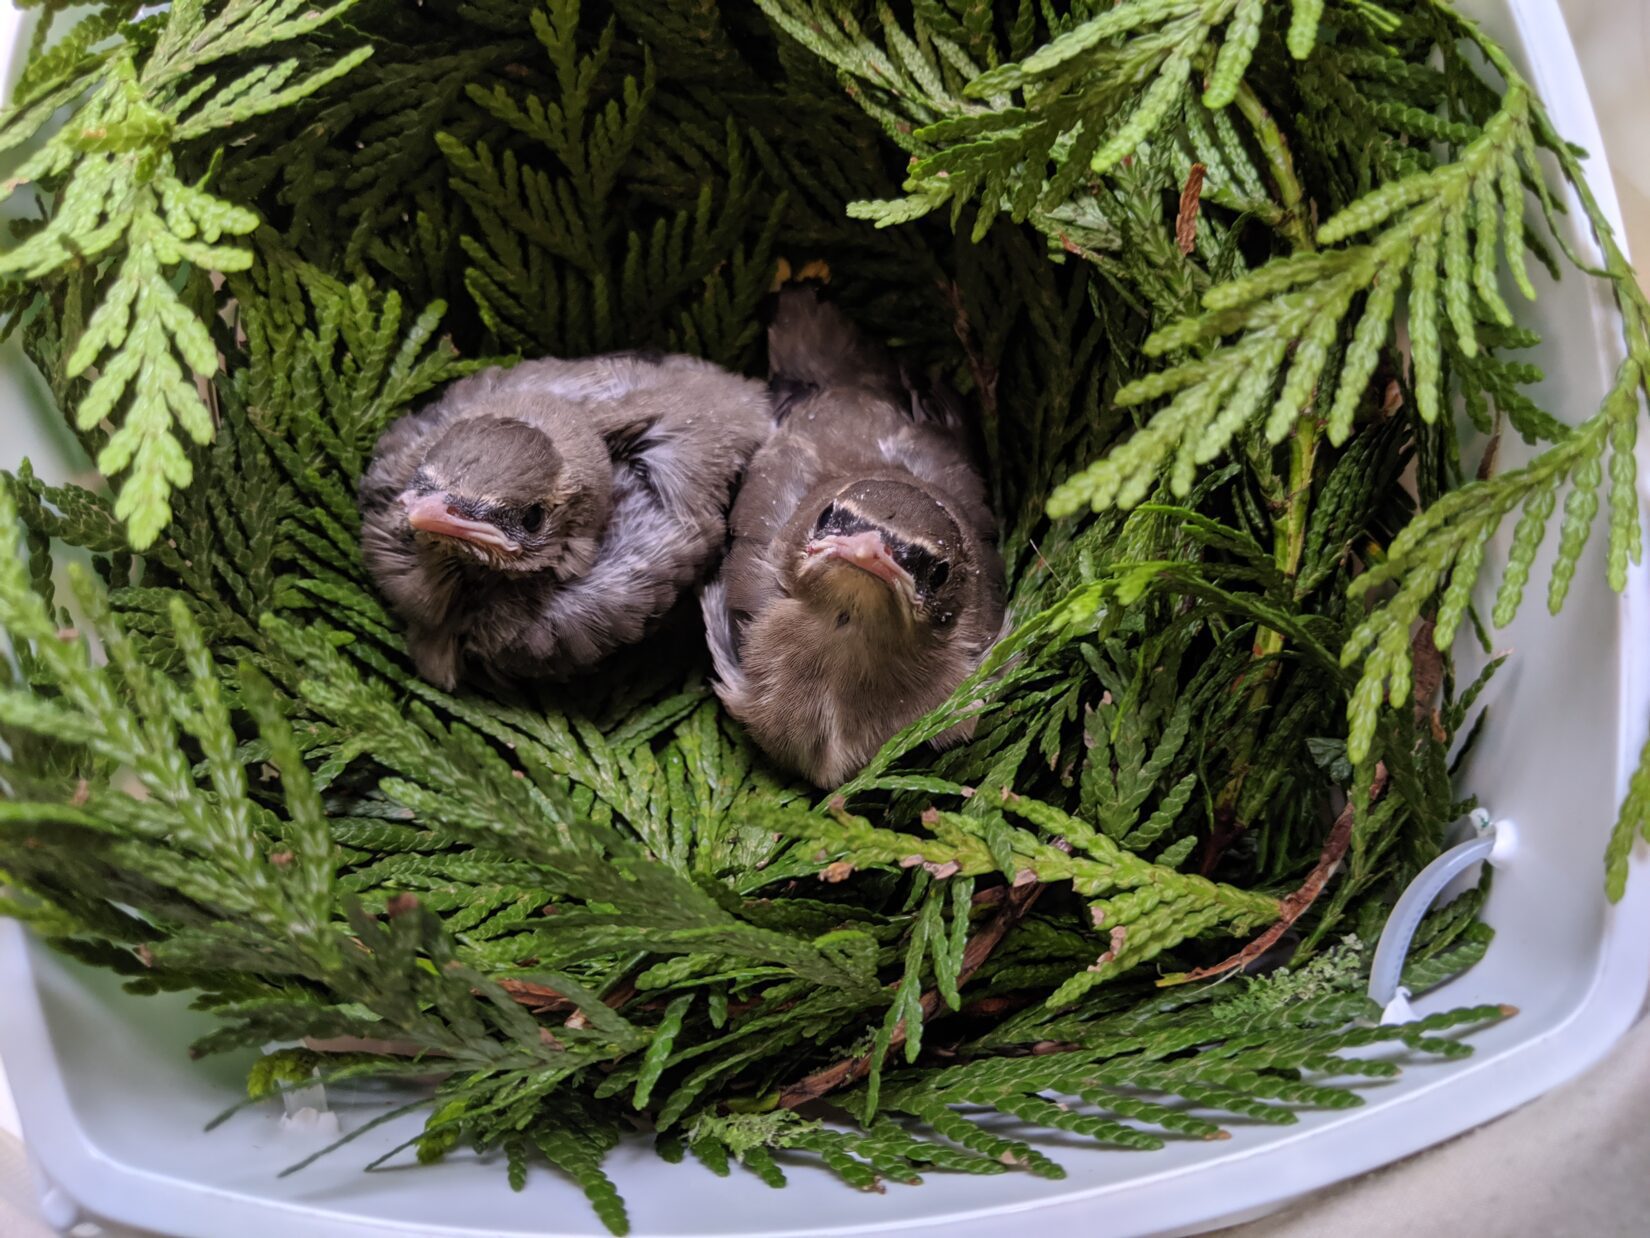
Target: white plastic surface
x,y
113,1109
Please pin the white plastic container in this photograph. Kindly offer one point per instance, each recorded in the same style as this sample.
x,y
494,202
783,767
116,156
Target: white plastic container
x,y
113,1110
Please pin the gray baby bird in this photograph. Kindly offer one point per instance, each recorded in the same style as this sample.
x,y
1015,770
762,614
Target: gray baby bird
x,y
862,583
534,519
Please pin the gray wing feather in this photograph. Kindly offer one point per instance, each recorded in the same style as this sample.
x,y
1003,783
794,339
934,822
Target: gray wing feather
x,y
722,637
645,561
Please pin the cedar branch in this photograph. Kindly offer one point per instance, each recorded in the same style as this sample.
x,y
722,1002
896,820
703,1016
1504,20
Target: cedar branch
x,y
1016,904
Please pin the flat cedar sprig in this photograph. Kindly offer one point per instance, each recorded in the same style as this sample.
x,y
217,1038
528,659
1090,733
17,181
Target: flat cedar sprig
x,y
129,224
1162,244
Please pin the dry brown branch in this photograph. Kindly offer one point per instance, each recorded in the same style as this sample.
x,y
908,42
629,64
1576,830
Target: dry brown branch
x,y
1191,200
1016,902
1294,905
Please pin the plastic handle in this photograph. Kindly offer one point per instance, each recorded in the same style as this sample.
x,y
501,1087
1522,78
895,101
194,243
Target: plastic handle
x,y
1493,843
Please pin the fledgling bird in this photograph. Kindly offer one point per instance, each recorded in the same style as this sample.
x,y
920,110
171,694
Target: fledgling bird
x,y
862,582
534,519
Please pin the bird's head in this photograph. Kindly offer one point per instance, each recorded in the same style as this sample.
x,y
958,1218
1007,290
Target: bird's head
x,y
883,560
495,491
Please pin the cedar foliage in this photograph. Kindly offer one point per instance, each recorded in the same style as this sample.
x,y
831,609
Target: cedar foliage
x,y
594,901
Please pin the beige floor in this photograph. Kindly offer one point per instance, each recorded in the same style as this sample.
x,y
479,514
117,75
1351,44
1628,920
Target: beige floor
x,y
1576,1162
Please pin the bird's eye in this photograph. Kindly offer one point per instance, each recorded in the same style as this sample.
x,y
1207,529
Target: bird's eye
x,y
532,518
940,574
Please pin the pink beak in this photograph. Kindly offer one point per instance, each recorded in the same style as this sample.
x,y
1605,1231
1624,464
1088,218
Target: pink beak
x,y
866,551
432,513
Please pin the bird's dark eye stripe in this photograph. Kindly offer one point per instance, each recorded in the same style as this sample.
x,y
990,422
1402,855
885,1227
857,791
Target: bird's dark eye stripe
x,y
840,521
926,568
913,559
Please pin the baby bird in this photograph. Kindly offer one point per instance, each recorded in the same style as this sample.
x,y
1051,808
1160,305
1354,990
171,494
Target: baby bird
x,y
862,582
534,519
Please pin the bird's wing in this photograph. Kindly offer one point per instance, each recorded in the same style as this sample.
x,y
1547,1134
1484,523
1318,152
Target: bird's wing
x,y
677,433
687,444
722,638
684,426
608,394
646,559
546,392
604,387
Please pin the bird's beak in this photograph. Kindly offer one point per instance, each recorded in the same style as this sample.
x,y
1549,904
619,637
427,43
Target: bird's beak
x,y
868,552
434,513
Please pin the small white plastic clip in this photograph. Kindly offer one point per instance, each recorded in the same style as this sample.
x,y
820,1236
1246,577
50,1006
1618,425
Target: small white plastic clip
x,y
1398,1010
308,1121
306,1107
1503,831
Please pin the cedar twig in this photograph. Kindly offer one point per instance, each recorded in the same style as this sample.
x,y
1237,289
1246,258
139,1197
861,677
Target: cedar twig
x,y
539,998
1017,901
984,373
368,1044
1191,199
1293,906
1428,677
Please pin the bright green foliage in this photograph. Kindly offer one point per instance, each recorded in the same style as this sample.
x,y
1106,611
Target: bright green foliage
x,y
1440,553
983,120
1302,300
1143,908
597,903
1631,825
576,1147
127,228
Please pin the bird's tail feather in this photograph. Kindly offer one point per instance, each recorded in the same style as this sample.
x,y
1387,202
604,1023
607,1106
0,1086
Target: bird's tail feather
x,y
813,343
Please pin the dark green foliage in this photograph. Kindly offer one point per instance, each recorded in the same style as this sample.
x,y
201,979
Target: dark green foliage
x,y
596,902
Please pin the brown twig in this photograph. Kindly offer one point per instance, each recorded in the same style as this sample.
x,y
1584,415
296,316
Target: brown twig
x,y
1222,834
1191,200
985,374
998,1005
1428,677
1016,903
1294,905
368,1044
539,998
